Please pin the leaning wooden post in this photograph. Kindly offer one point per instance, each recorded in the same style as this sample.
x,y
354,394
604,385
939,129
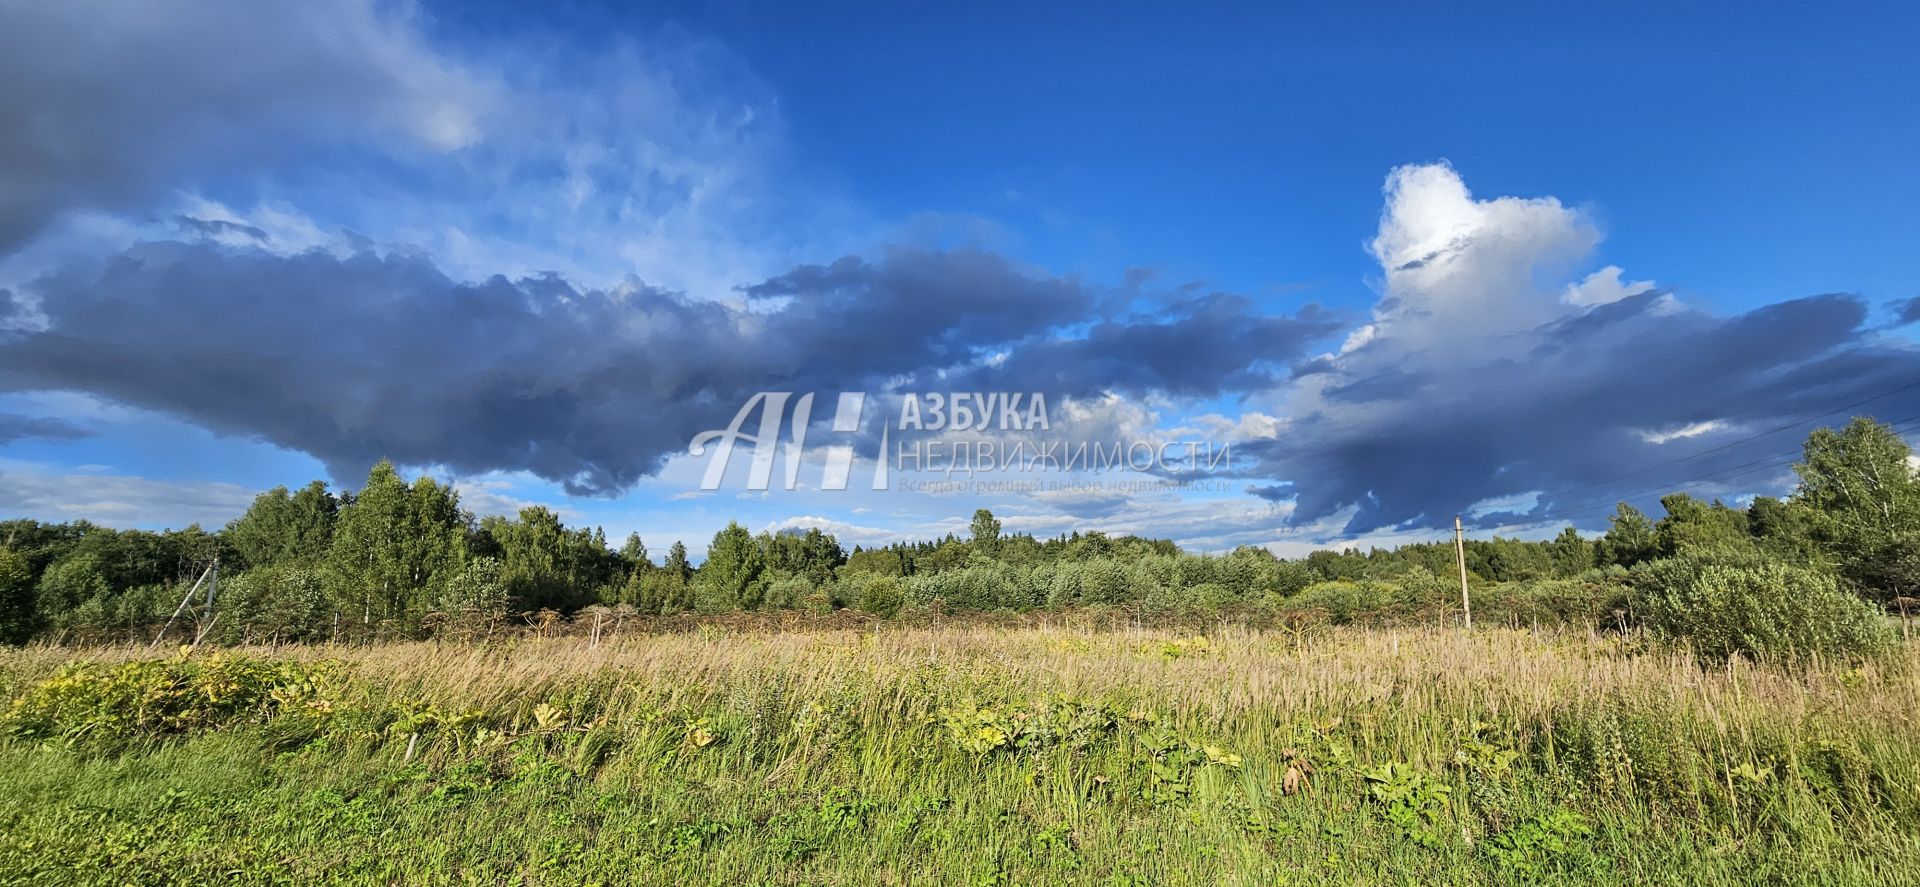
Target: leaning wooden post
x,y
1460,555
180,609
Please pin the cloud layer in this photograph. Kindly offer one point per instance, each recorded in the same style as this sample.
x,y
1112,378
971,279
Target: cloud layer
x,y
378,354
1487,373
109,104
117,501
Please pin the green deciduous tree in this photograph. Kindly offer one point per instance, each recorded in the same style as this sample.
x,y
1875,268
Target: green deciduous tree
x,y
812,555
285,528
986,531
677,562
1571,554
890,561
1691,525
17,620
733,576
546,564
394,545
1630,538
634,553
1863,503
1783,529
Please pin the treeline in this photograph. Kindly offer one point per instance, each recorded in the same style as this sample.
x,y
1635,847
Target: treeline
x,y
399,559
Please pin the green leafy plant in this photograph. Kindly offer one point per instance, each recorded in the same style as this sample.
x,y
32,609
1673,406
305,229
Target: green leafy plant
x,y
1172,762
157,697
1046,722
1555,842
1763,611
1410,799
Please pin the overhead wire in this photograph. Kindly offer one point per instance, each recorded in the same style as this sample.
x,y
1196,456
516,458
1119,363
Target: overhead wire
x,y
1775,460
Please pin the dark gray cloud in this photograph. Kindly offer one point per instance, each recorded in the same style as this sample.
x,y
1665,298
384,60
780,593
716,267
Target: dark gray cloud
x,y
107,105
1087,503
1489,379
219,227
1196,348
14,426
916,311
1908,311
359,357
1272,492
1586,405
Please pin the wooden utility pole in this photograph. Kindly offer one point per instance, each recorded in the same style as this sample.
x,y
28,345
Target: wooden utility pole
x,y
1460,555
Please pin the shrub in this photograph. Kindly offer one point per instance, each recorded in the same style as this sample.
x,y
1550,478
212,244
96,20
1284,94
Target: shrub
x,y
880,595
156,697
711,597
278,603
788,592
979,586
1062,583
1547,601
1343,602
1205,600
1210,597
1192,569
657,591
69,585
1766,611
816,602
1103,581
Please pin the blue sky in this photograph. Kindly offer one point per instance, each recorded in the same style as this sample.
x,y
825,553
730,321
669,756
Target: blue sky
x,y
1370,247
1246,147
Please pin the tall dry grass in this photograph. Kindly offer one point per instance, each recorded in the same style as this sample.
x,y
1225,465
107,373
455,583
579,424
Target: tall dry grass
x,y
1517,674
1681,772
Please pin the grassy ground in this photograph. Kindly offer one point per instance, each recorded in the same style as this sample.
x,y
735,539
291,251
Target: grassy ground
x,y
958,756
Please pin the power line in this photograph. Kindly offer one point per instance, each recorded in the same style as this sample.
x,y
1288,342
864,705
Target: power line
x,y
1765,462
1734,443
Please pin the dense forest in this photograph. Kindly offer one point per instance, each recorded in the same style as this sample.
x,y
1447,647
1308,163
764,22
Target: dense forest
x,y
400,559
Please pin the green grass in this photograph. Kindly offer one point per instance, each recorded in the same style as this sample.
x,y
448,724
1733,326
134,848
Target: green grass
x,y
959,756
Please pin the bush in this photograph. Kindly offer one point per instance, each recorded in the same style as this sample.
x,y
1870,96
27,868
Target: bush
x,y
1547,601
1205,600
711,597
1211,597
819,603
156,697
1343,602
879,595
985,585
278,603
70,584
788,592
657,591
1767,611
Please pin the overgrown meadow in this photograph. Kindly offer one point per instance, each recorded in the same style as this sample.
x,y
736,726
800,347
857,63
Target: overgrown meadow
x,y
387,691
959,754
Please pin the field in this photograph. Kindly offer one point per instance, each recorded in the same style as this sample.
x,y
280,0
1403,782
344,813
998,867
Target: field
x,y
958,755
